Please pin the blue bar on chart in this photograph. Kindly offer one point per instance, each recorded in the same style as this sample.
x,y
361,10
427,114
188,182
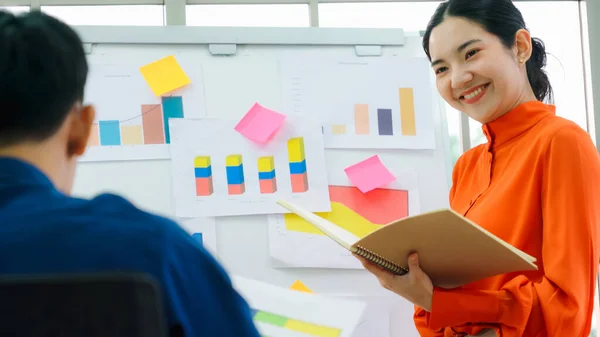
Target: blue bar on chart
x,y
384,121
235,174
198,237
110,133
172,108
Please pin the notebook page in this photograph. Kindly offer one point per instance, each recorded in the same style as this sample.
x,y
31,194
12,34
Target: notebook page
x,y
339,235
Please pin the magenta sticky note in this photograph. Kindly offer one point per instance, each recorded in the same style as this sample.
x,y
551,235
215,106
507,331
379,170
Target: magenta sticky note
x,y
259,124
369,174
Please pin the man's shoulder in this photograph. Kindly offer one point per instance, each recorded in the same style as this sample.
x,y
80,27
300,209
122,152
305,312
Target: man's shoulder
x,y
114,212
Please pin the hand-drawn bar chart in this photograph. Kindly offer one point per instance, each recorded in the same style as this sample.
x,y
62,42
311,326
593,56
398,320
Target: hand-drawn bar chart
x,y
266,172
266,175
217,171
154,128
235,174
297,158
385,118
378,103
203,174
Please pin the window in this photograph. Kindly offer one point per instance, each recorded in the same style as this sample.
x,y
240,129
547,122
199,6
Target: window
x,y
410,16
287,15
15,9
565,60
119,15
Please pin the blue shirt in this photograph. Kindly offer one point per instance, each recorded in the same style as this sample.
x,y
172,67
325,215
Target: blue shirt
x,y
44,231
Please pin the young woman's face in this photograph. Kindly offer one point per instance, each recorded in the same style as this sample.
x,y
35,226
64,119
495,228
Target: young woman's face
x,y
475,73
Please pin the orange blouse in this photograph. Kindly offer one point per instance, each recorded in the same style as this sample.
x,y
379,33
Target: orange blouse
x,y
536,185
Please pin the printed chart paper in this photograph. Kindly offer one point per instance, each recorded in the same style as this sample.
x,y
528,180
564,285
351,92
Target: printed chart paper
x,y
295,243
131,121
375,320
204,230
281,312
363,103
218,172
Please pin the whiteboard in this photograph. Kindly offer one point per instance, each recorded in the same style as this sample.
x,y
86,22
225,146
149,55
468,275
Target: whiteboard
x,y
233,78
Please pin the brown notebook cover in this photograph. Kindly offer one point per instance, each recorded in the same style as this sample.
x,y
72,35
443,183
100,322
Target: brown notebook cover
x,y
453,251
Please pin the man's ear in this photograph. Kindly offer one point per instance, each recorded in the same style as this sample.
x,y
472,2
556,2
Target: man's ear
x,y
523,46
82,121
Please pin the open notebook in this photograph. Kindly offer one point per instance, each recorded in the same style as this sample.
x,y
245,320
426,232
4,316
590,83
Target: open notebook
x,y
453,251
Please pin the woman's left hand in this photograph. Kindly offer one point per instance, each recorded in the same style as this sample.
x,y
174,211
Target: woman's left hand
x,y
415,286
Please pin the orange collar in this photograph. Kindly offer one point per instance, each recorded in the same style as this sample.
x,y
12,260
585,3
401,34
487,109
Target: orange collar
x,y
515,122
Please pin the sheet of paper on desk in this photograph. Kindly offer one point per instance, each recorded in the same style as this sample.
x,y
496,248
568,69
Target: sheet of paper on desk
x,y
282,312
376,319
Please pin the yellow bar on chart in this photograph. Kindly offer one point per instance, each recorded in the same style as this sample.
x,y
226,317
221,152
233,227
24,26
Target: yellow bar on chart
x,y
131,134
202,161
266,164
338,129
296,150
312,329
233,160
407,112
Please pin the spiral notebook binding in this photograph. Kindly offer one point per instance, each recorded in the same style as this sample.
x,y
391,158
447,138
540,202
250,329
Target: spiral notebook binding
x,y
381,261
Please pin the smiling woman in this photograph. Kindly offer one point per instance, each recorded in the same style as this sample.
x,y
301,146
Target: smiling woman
x,y
533,184
495,49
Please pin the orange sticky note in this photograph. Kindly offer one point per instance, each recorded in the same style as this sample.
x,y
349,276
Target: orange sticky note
x,y
164,75
299,286
369,174
259,123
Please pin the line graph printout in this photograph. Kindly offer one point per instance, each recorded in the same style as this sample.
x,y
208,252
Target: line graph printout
x,y
295,243
282,312
131,121
366,103
216,171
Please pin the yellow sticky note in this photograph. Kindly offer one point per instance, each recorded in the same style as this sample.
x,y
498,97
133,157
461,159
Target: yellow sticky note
x,y
164,75
299,286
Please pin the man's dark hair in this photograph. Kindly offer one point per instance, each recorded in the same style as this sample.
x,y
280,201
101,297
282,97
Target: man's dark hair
x,y
43,70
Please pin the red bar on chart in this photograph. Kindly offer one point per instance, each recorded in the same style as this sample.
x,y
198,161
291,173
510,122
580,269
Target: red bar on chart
x,y
236,189
299,182
152,123
268,186
204,186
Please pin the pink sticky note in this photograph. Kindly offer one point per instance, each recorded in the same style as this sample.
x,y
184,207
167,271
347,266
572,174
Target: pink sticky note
x,y
259,123
369,174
